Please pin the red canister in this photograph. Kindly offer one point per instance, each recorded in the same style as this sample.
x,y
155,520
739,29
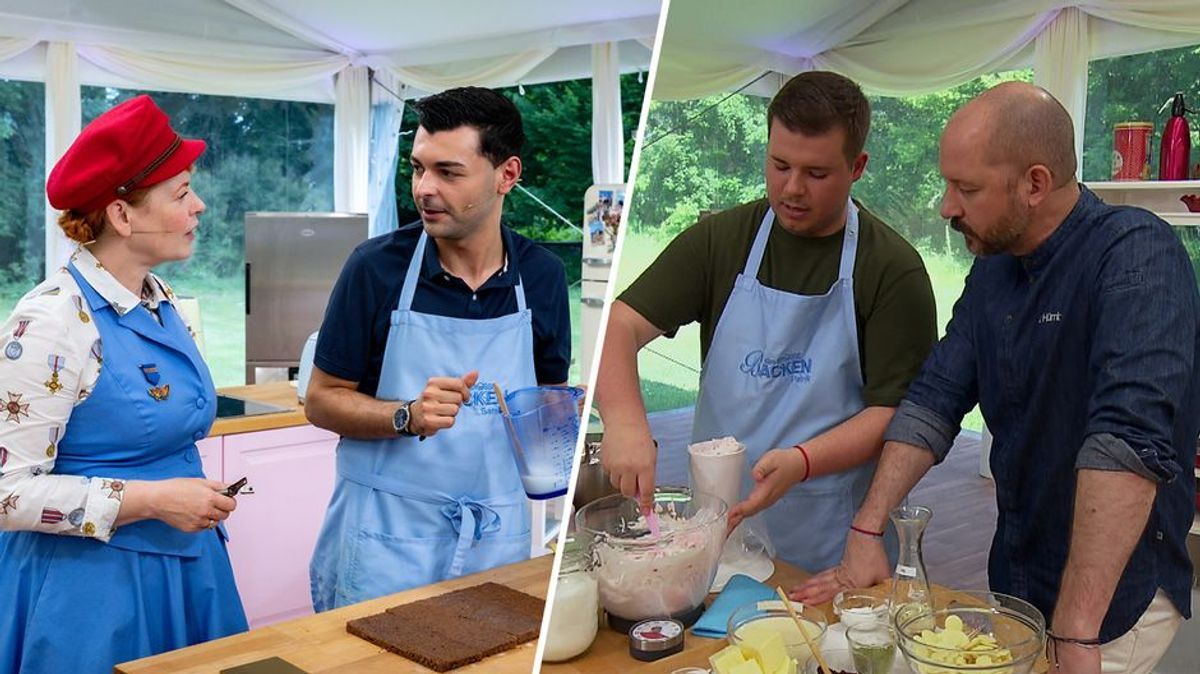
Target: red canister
x,y
1131,150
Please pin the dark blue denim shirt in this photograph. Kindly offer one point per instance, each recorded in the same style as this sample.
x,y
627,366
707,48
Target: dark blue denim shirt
x,y
1082,354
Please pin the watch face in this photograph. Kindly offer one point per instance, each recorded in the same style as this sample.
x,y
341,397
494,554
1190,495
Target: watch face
x,y
400,419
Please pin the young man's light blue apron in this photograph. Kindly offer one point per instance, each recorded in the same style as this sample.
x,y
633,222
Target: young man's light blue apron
x,y
783,368
77,605
405,512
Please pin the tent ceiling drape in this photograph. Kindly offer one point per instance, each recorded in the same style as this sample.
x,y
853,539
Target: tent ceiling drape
x,y
315,50
894,47
290,49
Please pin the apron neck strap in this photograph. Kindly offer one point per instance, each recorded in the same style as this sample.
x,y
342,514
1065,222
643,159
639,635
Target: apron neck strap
x,y
849,243
414,272
89,293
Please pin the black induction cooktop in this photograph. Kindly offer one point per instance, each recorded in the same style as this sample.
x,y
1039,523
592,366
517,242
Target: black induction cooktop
x,y
229,406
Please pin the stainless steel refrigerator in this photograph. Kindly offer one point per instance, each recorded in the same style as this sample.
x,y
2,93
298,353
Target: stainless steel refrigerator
x,y
292,262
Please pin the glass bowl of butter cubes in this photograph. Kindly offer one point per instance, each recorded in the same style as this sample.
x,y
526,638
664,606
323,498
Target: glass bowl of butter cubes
x,y
973,631
765,640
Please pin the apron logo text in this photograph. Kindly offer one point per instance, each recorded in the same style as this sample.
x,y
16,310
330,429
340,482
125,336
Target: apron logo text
x,y
793,366
483,399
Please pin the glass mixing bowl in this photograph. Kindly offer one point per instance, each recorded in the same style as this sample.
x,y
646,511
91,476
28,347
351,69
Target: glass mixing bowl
x,y
641,575
773,616
1018,628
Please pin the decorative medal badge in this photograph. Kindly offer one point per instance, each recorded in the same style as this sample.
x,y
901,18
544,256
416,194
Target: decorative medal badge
x,y
97,351
56,363
14,349
79,307
52,516
150,372
116,488
52,448
15,408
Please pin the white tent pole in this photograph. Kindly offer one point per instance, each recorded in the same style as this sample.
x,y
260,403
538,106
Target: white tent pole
x,y
352,140
387,110
63,122
1060,66
608,137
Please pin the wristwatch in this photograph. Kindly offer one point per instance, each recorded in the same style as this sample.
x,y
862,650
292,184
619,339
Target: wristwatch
x,y
402,418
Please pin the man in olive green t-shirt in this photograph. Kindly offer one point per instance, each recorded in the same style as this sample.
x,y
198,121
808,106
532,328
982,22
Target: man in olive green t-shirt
x,y
814,317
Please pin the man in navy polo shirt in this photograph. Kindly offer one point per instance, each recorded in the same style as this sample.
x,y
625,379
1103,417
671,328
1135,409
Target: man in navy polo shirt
x,y
1077,333
420,326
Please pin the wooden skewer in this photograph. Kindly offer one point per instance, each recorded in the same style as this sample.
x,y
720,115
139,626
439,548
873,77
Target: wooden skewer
x,y
500,398
812,646
508,421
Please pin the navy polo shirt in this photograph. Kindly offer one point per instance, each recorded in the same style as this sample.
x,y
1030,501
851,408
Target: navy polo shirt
x,y
357,319
1082,354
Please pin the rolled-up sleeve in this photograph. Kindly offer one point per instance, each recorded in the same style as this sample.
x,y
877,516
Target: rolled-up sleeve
x,y
1143,348
947,387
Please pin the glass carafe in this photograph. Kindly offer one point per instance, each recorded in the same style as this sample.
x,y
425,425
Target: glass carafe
x,y
910,584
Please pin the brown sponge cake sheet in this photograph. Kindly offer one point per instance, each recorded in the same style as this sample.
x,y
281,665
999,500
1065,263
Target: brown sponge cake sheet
x,y
457,628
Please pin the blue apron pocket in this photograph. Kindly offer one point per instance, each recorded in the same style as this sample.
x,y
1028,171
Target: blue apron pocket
x,y
497,550
381,564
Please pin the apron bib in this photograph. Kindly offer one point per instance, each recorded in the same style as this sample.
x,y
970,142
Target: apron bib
x,y
407,513
783,368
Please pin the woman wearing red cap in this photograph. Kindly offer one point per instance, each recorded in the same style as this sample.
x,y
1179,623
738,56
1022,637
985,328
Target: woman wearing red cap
x,y
111,546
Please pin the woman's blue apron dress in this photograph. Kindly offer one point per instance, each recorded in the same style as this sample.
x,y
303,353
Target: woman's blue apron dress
x,y
783,368
406,513
76,605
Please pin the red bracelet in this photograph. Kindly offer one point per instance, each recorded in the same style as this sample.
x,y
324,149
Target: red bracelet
x,y
807,463
868,532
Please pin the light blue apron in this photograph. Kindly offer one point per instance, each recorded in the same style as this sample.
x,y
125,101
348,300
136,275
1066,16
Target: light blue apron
x,y
783,368
74,604
406,513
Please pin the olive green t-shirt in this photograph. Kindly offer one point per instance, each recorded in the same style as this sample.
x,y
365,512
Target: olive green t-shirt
x,y
897,318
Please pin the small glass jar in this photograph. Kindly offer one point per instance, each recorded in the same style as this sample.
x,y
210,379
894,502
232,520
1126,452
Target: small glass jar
x,y
575,613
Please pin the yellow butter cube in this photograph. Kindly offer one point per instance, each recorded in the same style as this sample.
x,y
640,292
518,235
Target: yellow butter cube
x,y
788,666
747,667
724,660
766,648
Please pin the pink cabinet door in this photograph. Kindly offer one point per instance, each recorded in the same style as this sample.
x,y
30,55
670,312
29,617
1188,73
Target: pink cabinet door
x,y
274,529
210,457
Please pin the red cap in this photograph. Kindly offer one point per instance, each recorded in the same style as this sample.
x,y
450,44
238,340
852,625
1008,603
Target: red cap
x,y
130,146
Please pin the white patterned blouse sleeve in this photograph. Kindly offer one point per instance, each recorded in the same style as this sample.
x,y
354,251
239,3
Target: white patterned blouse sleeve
x,y
41,379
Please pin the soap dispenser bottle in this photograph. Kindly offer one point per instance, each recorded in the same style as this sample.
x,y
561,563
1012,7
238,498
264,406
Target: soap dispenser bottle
x,y
1176,148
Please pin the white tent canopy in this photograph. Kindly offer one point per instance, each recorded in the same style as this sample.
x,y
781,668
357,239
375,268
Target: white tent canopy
x,y
904,47
316,50
909,47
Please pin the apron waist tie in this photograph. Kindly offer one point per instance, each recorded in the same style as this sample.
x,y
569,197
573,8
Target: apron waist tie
x,y
471,518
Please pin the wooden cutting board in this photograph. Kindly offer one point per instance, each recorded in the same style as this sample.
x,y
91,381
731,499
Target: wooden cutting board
x,y
319,644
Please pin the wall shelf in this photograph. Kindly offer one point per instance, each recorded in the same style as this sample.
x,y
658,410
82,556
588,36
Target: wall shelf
x,y
1181,186
1160,196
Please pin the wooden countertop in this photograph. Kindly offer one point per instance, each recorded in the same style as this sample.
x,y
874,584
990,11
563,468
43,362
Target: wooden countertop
x,y
281,394
319,644
610,651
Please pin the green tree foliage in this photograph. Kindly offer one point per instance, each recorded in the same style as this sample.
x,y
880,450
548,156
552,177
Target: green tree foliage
x,y
263,155
22,188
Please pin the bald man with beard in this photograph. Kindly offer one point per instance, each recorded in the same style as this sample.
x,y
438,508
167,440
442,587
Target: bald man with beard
x,y
1077,334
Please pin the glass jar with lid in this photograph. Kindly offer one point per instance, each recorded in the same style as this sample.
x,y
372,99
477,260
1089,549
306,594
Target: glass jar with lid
x,y
575,612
